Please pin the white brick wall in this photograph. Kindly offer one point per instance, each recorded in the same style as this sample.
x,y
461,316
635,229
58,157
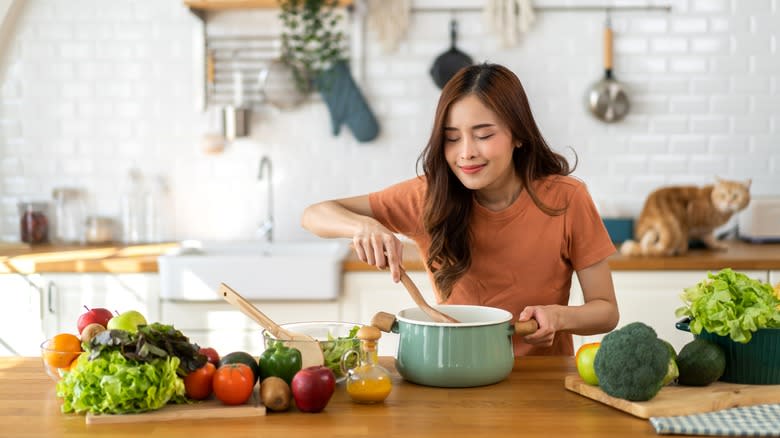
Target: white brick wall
x,y
88,91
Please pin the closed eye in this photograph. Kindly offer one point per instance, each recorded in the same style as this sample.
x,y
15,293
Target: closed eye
x,y
453,139
485,137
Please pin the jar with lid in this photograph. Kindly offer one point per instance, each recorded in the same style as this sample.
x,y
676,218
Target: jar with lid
x,y
69,212
34,221
368,382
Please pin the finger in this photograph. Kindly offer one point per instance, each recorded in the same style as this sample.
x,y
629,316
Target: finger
x,y
369,252
526,314
361,253
394,253
379,252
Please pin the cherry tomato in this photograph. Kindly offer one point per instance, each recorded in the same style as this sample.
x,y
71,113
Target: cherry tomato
x,y
233,383
198,383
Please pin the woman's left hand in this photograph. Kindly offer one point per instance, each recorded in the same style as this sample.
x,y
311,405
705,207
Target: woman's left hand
x,y
547,319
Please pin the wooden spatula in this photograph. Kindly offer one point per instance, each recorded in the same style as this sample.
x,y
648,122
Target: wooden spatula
x,y
311,352
420,300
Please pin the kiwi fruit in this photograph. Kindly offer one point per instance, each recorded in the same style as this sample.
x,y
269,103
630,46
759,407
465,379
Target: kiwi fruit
x,y
275,394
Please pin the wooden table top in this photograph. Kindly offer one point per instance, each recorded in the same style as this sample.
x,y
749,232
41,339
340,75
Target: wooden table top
x,y
532,401
143,259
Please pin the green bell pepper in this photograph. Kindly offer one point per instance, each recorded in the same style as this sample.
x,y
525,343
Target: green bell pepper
x,y
281,361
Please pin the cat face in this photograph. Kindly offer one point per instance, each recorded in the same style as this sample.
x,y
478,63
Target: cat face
x,y
730,196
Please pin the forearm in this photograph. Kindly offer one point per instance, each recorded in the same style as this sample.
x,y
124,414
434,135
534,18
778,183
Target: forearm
x,y
594,317
330,219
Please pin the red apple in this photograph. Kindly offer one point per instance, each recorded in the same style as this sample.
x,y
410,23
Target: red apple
x,y
96,315
211,354
312,388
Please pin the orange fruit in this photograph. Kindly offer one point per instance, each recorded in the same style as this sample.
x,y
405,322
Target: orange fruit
x,y
62,349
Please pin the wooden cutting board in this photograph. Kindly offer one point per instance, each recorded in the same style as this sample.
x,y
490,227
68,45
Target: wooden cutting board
x,y
205,409
682,400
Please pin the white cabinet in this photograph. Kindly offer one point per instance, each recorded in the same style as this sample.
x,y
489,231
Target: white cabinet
x,y
366,293
21,315
652,298
65,296
219,325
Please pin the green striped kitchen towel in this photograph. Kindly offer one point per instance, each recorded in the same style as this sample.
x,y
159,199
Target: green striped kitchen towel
x,y
759,420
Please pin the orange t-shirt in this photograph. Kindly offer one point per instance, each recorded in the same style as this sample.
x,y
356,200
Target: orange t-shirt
x,y
520,256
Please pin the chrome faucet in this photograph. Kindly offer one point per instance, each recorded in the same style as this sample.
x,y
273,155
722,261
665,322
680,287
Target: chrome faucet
x,y
267,227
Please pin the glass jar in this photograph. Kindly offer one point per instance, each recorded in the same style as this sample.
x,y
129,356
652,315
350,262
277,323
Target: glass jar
x,y
368,382
69,212
34,222
99,229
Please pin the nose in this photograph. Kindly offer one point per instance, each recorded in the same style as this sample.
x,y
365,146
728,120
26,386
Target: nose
x,y
467,148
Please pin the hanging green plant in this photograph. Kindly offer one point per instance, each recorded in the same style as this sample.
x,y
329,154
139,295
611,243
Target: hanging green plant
x,y
312,41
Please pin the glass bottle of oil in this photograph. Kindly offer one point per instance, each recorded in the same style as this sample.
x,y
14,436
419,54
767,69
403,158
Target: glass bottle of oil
x,y
368,382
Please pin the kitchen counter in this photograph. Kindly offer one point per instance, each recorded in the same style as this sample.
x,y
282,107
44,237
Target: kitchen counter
x,y
532,401
143,258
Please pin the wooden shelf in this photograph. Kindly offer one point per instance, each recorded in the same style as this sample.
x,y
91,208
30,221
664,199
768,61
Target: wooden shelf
x,y
213,5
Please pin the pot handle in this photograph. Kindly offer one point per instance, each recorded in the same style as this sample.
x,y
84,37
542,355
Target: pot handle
x,y
523,328
684,324
385,322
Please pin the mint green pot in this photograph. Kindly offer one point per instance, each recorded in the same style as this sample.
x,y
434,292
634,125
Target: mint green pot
x,y
475,352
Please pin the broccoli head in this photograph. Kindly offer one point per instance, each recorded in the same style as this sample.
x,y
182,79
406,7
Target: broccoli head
x,y
632,362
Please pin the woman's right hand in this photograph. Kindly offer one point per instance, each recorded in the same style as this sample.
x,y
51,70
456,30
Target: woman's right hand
x,y
377,246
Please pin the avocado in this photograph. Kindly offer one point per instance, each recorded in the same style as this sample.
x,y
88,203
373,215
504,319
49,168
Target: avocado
x,y
700,363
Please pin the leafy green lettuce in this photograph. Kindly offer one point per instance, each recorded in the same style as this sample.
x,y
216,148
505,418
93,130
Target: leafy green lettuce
x,y
113,384
336,347
730,304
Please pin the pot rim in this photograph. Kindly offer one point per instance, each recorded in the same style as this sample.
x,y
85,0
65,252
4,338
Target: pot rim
x,y
457,308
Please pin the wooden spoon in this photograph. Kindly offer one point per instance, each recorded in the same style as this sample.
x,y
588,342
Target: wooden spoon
x,y
421,303
311,352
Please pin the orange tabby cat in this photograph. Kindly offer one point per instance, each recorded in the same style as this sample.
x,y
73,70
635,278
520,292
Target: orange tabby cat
x,y
673,215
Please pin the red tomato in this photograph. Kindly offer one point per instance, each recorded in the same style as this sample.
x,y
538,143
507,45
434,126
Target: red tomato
x,y
233,383
198,383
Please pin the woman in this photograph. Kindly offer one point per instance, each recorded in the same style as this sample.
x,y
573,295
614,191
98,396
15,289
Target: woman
x,y
495,216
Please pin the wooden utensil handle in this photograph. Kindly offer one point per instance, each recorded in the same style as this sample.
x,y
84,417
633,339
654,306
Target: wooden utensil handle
x,y
607,48
420,300
523,328
253,312
383,321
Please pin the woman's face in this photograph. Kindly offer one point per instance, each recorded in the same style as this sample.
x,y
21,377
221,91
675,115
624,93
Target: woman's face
x,y
478,146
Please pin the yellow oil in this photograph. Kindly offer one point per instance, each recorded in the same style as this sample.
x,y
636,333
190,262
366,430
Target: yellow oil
x,y
373,389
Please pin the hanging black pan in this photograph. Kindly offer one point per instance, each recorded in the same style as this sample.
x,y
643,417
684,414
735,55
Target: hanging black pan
x,y
449,62
607,99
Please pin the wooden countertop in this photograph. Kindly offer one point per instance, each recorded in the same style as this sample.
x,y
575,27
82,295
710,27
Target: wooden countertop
x,y
532,401
739,256
143,258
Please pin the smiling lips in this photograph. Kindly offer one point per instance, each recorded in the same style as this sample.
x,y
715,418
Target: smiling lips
x,y
472,169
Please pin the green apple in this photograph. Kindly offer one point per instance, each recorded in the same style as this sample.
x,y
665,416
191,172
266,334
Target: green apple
x,y
128,321
586,355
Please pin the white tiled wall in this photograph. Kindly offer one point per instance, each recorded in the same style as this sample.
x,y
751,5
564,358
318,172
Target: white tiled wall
x,y
89,90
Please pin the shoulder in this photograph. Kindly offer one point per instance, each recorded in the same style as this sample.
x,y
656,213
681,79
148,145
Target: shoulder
x,y
412,189
417,185
558,186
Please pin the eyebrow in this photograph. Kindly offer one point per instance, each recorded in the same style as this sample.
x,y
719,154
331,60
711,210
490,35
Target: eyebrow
x,y
481,125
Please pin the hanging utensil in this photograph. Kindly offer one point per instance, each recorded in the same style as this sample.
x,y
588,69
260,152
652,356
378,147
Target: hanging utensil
x,y
420,300
607,99
311,352
448,63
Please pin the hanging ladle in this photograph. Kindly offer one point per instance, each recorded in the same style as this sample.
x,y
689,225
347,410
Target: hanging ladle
x,y
420,300
311,352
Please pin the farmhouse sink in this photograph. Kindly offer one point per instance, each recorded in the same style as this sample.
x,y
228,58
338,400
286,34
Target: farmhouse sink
x,y
305,270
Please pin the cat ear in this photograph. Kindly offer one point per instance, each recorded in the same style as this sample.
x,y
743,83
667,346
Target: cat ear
x,y
717,179
748,182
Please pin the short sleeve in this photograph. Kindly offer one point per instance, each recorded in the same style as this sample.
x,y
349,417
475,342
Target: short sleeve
x,y
400,206
587,241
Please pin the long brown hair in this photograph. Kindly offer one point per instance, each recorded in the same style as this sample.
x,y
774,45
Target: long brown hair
x,y
448,202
